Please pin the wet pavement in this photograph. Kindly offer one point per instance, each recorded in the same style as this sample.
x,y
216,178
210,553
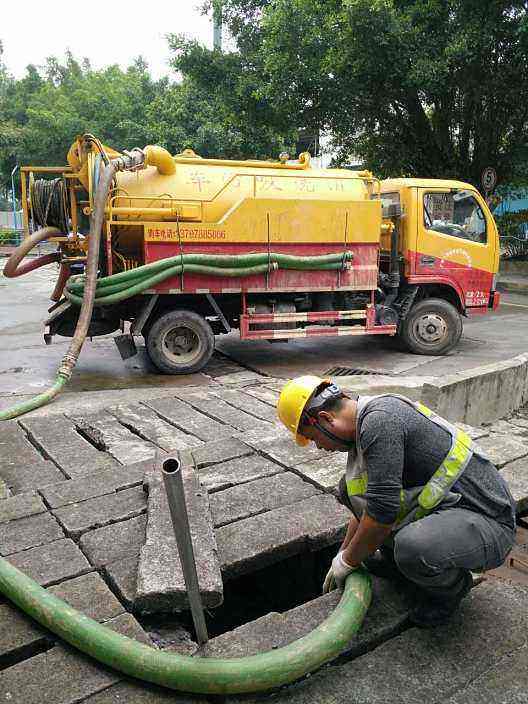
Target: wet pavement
x,y
27,365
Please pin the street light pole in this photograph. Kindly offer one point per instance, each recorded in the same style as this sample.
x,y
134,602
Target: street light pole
x,y
13,199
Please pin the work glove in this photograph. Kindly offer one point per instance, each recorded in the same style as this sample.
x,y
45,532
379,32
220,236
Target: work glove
x,y
338,572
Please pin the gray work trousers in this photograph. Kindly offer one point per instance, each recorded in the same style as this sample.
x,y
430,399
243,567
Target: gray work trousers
x,y
437,551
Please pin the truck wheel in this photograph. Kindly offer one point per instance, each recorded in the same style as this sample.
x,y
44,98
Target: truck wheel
x,y
433,326
180,342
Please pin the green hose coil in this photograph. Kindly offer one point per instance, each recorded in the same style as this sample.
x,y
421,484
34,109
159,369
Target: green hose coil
x,y
118,287
197,675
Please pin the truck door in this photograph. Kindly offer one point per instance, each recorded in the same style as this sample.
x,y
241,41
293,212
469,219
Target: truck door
x,y
456,243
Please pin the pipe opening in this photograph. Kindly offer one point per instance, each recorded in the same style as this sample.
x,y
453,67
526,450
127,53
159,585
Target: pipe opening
x,y
171,466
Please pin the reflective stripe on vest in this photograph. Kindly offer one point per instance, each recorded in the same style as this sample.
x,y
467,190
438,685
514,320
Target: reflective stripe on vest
x,y
450,470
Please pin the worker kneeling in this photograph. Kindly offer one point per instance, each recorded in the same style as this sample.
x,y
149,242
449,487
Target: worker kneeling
x,y
419,489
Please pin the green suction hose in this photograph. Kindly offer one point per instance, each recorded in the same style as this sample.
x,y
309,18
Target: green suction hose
x,y
198,675
118,287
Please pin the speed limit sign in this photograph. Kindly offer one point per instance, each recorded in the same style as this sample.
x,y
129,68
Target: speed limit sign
x,y
489,179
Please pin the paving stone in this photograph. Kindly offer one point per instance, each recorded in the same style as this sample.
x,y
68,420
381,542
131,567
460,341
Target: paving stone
x,y
168,635
189,419
21,637
80,517
238,471
248,403
502,449
262,436
141,693
67,676
324,472
114,542
106,481
122,577
434,665
258,496
285,451
143,421
59,440
105,432
221,411
52,563
474,433
519,421
275,630
28,532
516,474
240,378
20,506
160,581
22,467
264,394
253,543
90,595
503,427
214,452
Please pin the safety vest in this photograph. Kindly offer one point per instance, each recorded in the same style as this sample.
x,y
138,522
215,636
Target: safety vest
x,y
417,502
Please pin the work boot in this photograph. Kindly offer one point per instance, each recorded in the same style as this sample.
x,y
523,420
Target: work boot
x,y
433,611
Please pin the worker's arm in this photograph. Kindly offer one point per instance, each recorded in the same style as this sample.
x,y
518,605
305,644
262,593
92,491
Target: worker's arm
x,y
351,530
366,539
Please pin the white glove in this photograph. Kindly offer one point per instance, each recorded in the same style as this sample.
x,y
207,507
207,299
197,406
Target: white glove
x,y
337,573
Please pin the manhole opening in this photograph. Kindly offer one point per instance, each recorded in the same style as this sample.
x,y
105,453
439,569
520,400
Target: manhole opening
x,y
279,587
353,371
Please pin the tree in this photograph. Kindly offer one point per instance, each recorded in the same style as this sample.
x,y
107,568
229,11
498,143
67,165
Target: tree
x,y
418,87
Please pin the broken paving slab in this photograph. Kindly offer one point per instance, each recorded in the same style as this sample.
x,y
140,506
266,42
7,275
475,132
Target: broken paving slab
x,y
221,411
4,490
247,403
516,475
106,481
503,427
71,452
122,577
142,421
20,506
501,449
276,630
105,432
324,472
259,541
189,419
237,471
51,563
435,665
81,517
68,676
22,467
474,433
214,452
160,581
28,532
114,542
21,637
258,496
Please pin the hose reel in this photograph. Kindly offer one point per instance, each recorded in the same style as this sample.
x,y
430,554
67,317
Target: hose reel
x,y
49,206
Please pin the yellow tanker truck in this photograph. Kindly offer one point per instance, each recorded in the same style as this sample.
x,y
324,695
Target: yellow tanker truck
x,y
185,248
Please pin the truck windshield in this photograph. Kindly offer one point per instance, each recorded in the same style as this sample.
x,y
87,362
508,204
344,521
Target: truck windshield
x,y
455,213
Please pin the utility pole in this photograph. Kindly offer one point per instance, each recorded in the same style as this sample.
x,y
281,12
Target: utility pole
x,y
217,24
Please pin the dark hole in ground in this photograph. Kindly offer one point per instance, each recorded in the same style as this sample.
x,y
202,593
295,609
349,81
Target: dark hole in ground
x,y
279,587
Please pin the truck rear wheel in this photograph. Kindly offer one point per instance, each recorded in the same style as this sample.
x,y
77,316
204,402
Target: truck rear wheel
x,y
433,326
180,342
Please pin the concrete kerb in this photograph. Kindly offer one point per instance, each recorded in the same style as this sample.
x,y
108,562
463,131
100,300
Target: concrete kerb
x,y
480,395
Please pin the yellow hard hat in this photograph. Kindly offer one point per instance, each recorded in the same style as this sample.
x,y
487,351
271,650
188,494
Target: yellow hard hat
x,y
292,402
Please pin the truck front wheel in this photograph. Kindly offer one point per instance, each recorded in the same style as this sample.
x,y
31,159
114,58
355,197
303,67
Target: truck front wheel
x,y
180,342
433,326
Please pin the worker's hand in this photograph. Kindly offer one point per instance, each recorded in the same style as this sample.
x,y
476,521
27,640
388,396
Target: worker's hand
x,y
337,573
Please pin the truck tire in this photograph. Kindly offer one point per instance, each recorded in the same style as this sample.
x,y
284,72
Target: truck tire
x,y
180,342
432,326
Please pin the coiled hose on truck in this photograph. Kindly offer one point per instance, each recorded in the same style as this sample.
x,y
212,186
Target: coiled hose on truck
x,y
87,302
197,675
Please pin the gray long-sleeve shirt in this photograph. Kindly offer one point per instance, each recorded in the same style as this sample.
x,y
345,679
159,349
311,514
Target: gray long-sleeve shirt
x,y
403,449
